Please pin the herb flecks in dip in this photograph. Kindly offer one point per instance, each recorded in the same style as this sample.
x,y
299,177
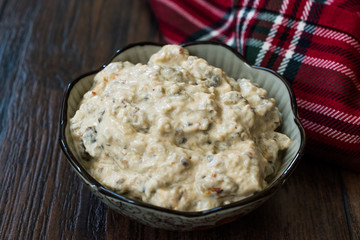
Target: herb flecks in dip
x,y
177,132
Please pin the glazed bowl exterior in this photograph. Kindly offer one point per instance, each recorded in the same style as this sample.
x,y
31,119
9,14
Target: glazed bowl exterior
x,y
235,66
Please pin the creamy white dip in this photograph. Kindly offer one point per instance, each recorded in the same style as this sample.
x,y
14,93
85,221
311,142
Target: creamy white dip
x,y
177,132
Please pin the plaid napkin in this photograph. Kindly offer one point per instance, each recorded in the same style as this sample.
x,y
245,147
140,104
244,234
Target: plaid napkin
x,y
315,44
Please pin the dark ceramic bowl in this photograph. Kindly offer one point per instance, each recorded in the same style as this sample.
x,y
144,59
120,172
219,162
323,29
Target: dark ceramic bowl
x,y
235,66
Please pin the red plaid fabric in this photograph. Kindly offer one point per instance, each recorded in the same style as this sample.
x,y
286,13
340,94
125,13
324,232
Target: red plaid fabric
x,y
315,44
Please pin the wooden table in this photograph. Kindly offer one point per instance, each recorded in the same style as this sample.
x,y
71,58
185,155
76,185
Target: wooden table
x,y
44,45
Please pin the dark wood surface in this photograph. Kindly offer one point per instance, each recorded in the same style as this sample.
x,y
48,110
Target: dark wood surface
x,y
43,46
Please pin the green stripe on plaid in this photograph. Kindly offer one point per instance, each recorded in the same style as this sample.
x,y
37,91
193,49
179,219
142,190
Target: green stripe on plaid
x,y
253,49
267,16
202,33
293,67
302,46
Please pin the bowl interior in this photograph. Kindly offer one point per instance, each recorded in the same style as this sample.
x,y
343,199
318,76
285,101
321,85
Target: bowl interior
x,y
235,67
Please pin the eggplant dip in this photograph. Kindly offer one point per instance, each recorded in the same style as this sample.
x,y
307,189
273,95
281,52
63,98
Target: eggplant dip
x,y
177,132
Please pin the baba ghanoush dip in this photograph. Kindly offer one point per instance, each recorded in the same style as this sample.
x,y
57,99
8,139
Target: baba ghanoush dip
x,y
177,132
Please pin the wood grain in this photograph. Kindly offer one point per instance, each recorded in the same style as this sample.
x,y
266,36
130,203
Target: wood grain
x,y
351,182
44,45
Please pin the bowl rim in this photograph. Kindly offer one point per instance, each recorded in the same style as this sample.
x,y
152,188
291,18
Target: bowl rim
x,y
96,186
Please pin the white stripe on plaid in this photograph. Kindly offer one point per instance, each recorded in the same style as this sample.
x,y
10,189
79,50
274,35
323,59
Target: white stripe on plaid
x,y
336,66
218,33
288,53
328,111
316,62
252,14
329,2
231,40
278,21
299,29
330,132
276,49
309,28
327,33
306,11
195,21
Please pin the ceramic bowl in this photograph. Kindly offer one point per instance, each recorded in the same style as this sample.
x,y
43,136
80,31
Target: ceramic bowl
x,y
235,66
